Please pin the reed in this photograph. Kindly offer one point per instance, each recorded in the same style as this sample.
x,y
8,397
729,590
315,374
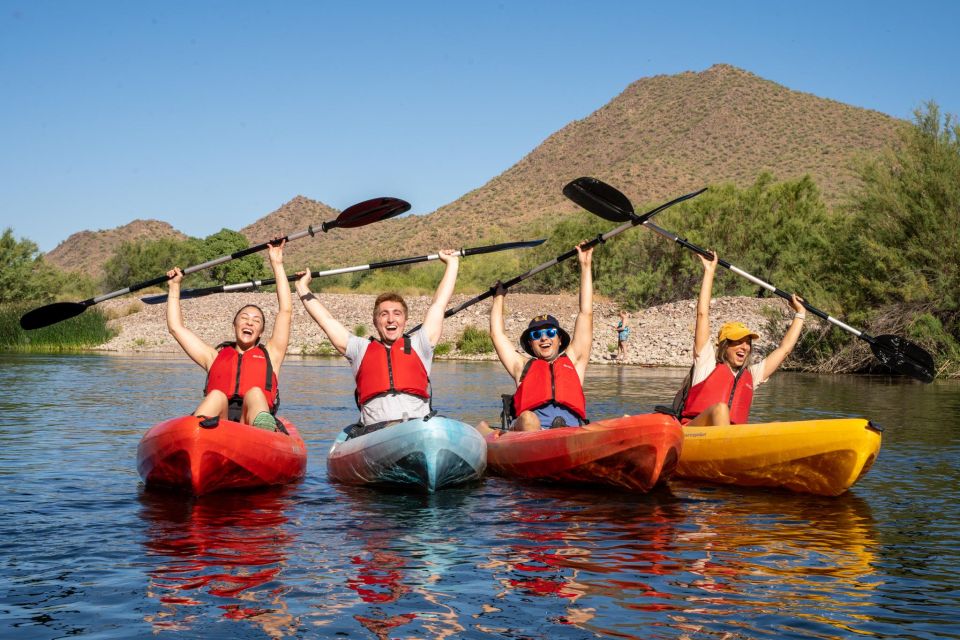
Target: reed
x,y
89,329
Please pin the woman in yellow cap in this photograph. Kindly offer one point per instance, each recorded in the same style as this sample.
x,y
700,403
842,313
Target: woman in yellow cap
x,y
722,382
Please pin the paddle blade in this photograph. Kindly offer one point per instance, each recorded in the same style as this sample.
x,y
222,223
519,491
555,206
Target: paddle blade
x,y
50,314
600,199
904,357
368,211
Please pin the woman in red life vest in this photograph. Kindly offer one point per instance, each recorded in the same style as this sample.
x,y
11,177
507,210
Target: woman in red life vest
x,y
550,382
392,372
243,372
722,381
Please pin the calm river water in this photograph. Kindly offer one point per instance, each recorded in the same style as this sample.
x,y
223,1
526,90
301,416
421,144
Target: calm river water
x,y
87,552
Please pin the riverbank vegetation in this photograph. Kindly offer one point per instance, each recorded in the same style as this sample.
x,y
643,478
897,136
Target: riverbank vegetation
x,y
82,332
885,261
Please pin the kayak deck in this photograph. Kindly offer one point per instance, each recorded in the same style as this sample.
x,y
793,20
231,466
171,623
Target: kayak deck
x,y
823,457
421,454
180,454
632,452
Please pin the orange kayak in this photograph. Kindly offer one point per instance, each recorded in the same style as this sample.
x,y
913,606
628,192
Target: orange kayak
x,y
180,454
633,452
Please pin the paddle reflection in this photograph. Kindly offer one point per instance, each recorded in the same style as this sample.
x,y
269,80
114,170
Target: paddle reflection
x,y
227,550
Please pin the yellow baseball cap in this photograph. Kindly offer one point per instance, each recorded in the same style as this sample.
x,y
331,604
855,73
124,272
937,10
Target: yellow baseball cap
x,y
735,331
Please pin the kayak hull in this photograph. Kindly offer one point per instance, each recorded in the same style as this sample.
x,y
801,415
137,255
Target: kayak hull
x,y
822,457
419,454
633,452
180,454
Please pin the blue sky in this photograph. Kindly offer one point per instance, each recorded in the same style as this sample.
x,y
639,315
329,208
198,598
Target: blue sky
x,y
210,114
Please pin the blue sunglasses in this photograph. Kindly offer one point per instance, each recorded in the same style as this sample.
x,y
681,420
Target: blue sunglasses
x,y
536,333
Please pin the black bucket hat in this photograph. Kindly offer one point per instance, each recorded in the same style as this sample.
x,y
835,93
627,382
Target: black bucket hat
x,y
543,322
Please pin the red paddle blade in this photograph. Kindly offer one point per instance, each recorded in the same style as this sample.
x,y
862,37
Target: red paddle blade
x,y
600,199
368,211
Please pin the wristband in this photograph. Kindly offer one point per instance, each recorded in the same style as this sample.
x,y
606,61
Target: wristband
x,y
308,296
799,316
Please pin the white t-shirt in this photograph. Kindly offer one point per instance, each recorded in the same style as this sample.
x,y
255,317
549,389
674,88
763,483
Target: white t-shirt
x,y
706,361
391,406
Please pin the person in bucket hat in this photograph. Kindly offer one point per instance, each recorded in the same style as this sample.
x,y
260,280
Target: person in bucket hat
x,y
719,389
550,382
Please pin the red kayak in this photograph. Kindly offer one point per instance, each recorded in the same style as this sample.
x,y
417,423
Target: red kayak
x,y
633,452
181,454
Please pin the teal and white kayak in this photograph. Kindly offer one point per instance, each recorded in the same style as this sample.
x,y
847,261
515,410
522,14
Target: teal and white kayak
x,y
423,454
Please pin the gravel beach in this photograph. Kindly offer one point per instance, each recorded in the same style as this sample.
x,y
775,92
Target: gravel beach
x,y
660,336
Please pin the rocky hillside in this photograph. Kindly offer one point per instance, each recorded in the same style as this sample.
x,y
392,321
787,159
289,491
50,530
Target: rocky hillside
x,y
661,137
88,250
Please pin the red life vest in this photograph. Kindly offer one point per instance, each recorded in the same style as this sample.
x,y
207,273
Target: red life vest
x,y
234,373
722,386
384,370
545,382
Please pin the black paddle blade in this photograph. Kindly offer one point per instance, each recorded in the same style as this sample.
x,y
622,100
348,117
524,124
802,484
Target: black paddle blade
x,y
50,314
600,199
368,211
904,357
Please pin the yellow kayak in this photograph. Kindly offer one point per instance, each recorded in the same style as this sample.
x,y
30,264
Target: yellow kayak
x,y
823,457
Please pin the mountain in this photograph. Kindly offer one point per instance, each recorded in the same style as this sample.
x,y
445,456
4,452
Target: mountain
x,y
663,136
89,250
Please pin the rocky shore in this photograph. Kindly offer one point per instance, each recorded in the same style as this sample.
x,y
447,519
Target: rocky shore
x,y
660,336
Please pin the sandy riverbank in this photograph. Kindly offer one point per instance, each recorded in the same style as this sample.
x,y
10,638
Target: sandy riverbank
x,y
660,336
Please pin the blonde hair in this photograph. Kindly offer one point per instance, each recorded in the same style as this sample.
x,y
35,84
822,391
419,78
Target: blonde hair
x,y
722,347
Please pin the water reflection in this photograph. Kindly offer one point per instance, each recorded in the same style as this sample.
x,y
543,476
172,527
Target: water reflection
x,y
228,549
408,551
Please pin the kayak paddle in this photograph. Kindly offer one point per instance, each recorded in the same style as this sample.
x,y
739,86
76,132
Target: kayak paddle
x,y
196,293
606,208
897,353
357,215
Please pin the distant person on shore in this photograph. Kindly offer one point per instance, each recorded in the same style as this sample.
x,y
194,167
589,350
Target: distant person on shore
x,y
719,389
623,334
550,382
392,371
242,374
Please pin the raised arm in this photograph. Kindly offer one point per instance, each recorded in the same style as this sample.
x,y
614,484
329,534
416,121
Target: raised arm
x,y
778,355
433,321
582,341
336,332
701,332
280,338
511,360
198,350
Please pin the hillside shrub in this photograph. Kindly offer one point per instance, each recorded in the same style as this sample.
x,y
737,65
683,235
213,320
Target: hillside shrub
x,y
474,341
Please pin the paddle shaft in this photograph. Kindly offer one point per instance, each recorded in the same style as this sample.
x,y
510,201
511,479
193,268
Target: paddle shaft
x,y
195,293
757,281
603,237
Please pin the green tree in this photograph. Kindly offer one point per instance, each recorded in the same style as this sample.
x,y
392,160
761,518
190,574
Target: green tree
x,y
143,260
904,221
226,242
24,276
780,231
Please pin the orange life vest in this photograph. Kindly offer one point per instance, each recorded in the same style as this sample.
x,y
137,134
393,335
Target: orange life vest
x,y
234,373
722,386
384,370
543,382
